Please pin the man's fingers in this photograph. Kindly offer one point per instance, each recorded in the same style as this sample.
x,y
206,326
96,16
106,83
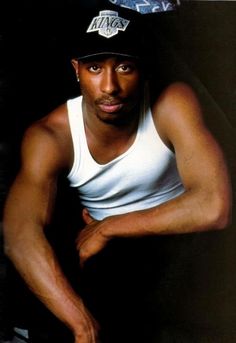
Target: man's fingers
x,y
86,216
83,257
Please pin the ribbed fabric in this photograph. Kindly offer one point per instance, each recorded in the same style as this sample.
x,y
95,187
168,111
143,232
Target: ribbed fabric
x,y
142,177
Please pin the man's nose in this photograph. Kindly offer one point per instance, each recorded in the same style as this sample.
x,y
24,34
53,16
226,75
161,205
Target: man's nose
x,y
110,82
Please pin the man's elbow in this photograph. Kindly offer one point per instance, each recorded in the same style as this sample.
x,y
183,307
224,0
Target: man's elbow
x,y
13,247
221,214
10,250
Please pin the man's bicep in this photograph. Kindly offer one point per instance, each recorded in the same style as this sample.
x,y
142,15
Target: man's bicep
x,y
29,204
41,153
205,176
199,157
200,161
32,194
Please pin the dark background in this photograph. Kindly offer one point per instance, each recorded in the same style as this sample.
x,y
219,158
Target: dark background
x,y
196,285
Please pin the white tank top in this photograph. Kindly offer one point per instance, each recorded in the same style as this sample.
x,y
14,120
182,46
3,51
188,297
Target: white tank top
x,y
142,177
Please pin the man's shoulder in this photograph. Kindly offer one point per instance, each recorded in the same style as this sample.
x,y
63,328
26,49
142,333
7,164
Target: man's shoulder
x,y
176,100
172,93
55,120
49,136
176,106
53,124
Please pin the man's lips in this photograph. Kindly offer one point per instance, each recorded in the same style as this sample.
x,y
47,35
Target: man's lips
x,y
110,107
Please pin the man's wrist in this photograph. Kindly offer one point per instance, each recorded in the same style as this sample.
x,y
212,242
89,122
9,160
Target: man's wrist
x,y
117,226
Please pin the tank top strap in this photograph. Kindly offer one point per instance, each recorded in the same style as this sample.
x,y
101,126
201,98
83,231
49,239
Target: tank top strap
x,y
75,116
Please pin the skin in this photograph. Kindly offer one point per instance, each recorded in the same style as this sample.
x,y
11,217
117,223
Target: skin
x,y
111,91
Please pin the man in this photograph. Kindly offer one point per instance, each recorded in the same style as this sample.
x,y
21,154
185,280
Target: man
x,y
144,165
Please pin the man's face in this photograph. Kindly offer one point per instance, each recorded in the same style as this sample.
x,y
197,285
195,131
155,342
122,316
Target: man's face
x,y
110,87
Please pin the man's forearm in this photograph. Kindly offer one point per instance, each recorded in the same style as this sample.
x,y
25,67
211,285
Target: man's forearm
x,y
188,212
38,265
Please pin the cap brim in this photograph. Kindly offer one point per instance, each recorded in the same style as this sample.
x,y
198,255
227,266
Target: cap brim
x,y
106,53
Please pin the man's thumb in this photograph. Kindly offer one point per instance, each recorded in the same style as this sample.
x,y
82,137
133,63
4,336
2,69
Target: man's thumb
x,y
86,216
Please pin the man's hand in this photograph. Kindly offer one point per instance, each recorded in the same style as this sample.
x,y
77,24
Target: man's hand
x,y
88,331
91,239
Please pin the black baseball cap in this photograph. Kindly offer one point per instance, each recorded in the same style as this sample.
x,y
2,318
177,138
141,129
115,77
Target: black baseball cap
x,y
110,30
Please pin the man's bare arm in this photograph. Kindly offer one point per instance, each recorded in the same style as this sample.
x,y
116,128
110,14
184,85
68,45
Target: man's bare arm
x,y
206,202
28,209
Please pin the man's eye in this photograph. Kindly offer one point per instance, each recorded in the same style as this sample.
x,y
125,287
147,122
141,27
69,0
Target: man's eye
x,y
125,68
94,68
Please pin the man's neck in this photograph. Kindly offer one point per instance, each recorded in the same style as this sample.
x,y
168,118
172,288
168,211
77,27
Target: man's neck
x,y
105,130
107,141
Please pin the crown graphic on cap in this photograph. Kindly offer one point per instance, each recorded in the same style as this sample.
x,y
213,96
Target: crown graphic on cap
x,y
109,30
108,24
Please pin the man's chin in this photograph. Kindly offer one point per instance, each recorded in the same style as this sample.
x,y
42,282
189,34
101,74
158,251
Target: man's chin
x,y
115,118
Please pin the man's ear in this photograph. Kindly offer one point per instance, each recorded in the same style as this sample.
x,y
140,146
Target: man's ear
x,y
75,65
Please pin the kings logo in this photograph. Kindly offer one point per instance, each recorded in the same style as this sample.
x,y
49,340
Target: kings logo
x,y
108,24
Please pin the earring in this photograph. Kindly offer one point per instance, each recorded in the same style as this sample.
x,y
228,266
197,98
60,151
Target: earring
x,y
77,78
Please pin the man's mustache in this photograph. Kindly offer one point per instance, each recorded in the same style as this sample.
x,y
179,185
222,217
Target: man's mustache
x,y
110,101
